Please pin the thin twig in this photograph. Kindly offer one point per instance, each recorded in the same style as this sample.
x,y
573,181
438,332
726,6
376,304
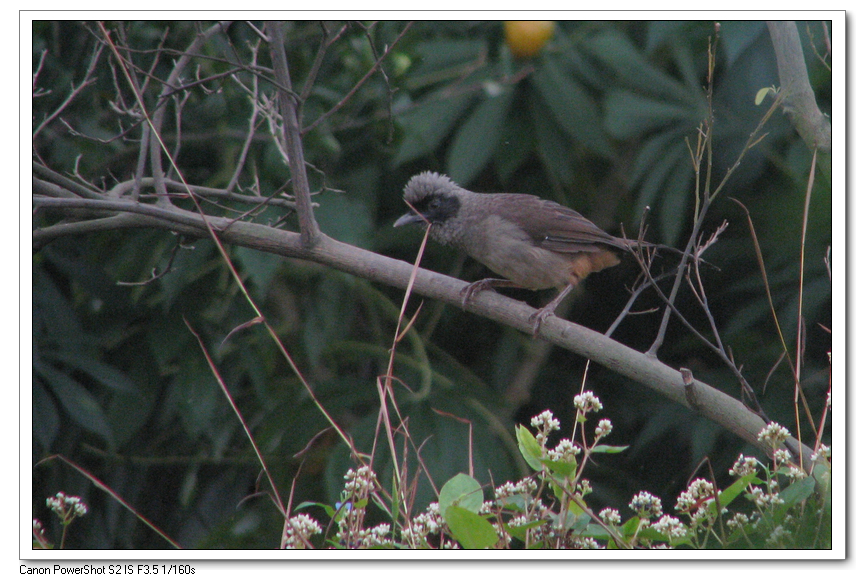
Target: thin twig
x,y
327,39
359,83
76,90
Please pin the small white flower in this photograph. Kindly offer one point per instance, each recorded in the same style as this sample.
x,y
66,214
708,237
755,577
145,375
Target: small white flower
x,y
774,435
298,530
604,428
67,507
646,505
737,521
822,451
587,401
583,543
546,422
744,466
610,516
764,500
564,451
670,526
782,456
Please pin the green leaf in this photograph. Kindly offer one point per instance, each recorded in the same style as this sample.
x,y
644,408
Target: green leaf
x,y
426,126
663,32
553,148
634,69
530,448
798,491
572,107
196,396
107,375
675,208
345,217
652,149
46,419
609,448
740,37
735,489
261,267
561,469
761,94
478,138
328,509
630,115
823,476
435,56
471,530
81,406
669,179
519,532
516,146
464,491
630,527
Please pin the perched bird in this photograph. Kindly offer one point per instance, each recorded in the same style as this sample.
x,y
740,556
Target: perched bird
x,y
532,242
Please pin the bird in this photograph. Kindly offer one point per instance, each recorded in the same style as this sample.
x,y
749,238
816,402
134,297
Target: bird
x,y
531,242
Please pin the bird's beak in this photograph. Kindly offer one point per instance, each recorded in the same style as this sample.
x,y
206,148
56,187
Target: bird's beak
x,y
409,218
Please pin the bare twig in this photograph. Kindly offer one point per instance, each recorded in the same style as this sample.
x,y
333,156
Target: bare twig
x,y
702,151
327,39
253,120
358,84
800,337
765,276
274,490
154,275
100,485
390,91
76,90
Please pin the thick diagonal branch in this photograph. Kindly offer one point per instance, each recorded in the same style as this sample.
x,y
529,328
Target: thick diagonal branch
x,y
710,402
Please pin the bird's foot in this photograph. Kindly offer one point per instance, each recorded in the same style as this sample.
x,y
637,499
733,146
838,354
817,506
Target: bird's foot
x,y
468,293
537,318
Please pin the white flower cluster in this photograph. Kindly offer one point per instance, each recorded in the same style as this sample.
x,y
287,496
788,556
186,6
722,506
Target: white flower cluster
x,y
587,401
773,434
744,466
670,527
298,530
429,522
66,506
525,486
359,483
646,505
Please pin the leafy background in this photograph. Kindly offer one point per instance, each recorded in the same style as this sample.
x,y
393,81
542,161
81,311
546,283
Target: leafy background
x,y
599,120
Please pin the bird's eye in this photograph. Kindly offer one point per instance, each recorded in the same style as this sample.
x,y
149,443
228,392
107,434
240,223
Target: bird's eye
x,y
434,203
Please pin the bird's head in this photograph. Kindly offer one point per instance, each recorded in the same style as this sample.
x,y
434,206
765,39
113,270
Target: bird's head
x,y
432,197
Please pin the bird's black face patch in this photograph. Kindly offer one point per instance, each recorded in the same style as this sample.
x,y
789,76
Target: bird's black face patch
x,y
438,208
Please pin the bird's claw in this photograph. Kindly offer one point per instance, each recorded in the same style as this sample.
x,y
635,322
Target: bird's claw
x,y
538,317
468,292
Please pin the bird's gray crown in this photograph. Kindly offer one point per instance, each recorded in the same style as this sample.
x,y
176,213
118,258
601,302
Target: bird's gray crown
x,y
426,184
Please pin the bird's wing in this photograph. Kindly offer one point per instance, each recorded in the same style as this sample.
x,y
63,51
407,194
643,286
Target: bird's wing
x,y
555,227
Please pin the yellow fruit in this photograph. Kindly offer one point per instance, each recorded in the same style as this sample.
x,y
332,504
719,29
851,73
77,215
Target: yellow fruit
x,y
526,38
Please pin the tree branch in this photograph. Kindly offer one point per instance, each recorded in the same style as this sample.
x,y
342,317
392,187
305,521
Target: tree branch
x,y
812,125
288,108
699,396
